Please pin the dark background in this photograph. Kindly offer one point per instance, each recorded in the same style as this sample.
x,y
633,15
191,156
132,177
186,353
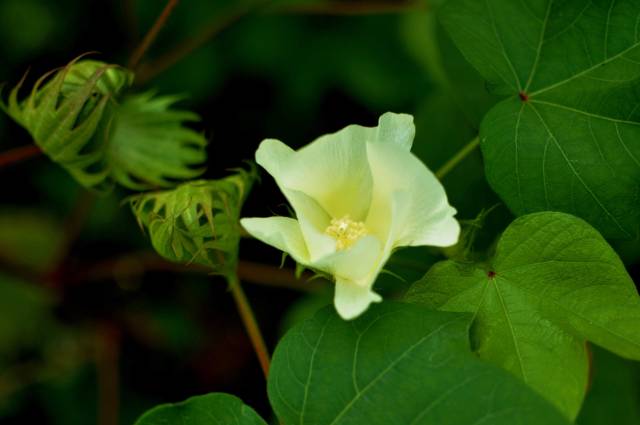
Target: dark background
x,y
93,327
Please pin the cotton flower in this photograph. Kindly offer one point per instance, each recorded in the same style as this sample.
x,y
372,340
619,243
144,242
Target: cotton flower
x,y
358,194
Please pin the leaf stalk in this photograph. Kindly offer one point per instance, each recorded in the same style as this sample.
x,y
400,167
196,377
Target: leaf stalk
x,y
457,158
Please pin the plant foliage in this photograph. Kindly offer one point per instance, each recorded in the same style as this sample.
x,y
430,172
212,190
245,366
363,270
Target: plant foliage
x,y
535,324
197,222
208,409
552,284
567,136
329,371
80,117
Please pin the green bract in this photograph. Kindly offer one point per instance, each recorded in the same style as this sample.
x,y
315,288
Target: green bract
x,y
149,146
80,118
552,284
567,137
197,222
358,194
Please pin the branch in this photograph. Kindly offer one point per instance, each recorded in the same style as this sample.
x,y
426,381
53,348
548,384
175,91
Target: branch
x,y
138,263
150,37
15,155
150,70
219,24
107,353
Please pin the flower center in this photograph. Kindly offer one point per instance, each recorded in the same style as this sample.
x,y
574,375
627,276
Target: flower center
x,y
345,231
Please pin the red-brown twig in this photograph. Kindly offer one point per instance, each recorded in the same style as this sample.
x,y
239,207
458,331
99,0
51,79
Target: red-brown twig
x,y
218,24
137,263
107,351
13,156
150,37
149,70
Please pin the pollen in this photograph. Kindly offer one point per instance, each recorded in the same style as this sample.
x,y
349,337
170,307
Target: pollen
x,y
345,231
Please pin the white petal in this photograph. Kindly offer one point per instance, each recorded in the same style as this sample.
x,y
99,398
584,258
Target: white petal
x,y
443,230
334,170
352,300
409,204
358,264
280,232
274,156
397,129
313,221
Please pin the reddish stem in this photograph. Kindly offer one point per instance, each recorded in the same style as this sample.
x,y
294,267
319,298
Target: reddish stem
x,y
152,34
107,354
15,155
150,70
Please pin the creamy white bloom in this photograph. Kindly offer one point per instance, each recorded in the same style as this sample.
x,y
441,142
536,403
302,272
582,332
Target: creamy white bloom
x,y
358,194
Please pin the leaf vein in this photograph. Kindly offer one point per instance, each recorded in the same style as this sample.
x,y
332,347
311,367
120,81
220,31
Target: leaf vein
x,y
511,329
577,175
586,71
543,31
387,370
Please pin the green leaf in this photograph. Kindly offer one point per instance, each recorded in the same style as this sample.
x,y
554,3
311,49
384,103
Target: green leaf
x,y
398,363
459,102
456,80
208,409
614,397
197,222
553,283
567,137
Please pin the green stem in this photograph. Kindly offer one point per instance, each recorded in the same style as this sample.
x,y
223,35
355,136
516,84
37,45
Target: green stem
x,y
457,158
250,323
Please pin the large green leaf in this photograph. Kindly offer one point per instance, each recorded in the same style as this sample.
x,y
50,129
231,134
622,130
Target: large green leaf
x,y
400,364
553,283
567,138
209,409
